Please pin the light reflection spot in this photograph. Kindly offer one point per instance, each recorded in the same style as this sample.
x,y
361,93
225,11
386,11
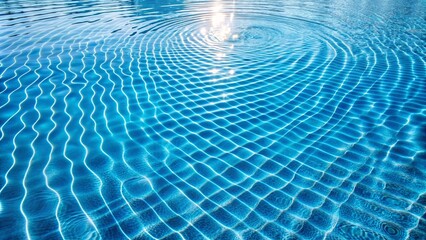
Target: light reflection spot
x,y
214,70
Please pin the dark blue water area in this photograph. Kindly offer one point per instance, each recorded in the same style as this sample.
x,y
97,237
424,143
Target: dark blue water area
x,y
216,119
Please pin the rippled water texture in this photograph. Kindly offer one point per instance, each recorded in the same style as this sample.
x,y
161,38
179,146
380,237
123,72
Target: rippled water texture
x,y
195,119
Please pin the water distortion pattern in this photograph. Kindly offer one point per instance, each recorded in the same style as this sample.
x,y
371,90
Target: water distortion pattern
x,y
212,119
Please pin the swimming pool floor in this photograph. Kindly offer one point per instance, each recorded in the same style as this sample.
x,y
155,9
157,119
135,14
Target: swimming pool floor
x,y
212,119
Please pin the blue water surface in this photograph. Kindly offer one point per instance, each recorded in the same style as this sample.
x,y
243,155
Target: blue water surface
x,y
212,119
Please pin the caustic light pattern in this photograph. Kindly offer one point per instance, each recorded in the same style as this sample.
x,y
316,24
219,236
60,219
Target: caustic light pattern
x,y
204,119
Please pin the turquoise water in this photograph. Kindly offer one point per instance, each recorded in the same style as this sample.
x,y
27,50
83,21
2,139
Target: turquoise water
x,y
212,119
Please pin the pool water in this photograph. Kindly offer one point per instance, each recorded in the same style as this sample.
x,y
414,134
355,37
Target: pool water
x,y
209,119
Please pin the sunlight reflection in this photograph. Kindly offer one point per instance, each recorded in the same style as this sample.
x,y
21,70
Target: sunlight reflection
x,y
220,23
220,56
214,70
218,29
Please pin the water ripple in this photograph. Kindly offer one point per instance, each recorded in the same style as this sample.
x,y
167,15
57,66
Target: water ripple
x,y
212,120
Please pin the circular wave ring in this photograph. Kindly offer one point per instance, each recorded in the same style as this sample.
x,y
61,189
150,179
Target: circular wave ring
x,y
211,120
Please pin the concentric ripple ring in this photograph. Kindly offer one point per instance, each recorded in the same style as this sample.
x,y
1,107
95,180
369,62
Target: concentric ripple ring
x,y
212,119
